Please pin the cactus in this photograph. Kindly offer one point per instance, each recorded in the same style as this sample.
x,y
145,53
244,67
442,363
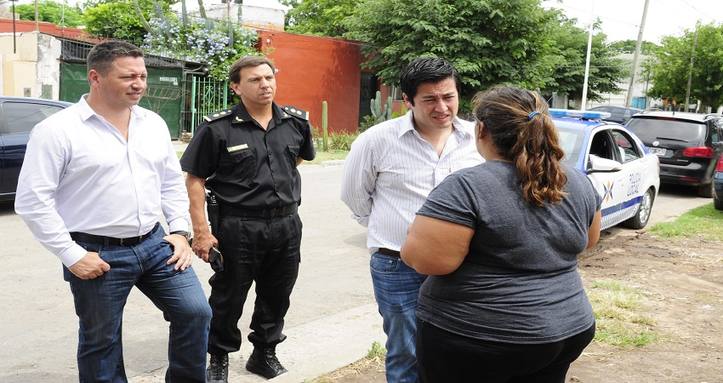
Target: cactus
x,y
376,107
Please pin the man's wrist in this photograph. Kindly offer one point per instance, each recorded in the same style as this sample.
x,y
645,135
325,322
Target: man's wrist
x,y
182,233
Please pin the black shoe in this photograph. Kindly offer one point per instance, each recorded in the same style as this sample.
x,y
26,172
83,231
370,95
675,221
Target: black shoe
x,y
263,362
217,371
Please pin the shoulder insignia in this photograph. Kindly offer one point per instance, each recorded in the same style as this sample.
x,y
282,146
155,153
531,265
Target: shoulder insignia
x,y
217,115
296,112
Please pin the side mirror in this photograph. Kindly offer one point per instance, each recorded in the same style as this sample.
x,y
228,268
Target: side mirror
x,y
602,165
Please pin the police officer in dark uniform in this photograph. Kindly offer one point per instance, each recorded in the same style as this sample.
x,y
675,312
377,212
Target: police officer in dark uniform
x,y
247,158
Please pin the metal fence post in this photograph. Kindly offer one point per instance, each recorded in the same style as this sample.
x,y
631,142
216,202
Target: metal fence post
x,y
325,126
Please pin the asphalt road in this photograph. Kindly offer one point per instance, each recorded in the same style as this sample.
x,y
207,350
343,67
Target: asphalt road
x,y
332,320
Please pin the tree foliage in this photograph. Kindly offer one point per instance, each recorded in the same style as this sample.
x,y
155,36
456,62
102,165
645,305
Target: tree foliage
x,y
567,51
120,19
628,46
320,17
491,42
51,11
671,67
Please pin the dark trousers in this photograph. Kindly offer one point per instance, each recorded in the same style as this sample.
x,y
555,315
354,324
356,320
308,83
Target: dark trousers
x,y
265,251
443,356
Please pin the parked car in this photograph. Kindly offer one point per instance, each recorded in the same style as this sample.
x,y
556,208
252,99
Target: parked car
x,y
688,145
18,115
619,114
621,169
718,185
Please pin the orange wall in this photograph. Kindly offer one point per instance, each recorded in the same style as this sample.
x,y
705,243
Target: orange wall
x,y
314,69
6,25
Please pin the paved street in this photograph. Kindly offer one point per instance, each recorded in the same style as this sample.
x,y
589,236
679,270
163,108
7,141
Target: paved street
x,y
332,320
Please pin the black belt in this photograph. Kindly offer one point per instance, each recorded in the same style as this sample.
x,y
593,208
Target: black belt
x,y
391,253
273,212
111,241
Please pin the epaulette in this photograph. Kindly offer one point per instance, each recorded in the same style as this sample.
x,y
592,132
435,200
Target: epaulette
x,y
296,112
217,115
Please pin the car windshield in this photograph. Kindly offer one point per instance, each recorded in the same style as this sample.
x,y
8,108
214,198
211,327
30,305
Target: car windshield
x,y
659,129
571,142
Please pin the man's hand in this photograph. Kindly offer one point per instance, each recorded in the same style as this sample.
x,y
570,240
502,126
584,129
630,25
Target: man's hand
x,y
91,266
182,254
202,244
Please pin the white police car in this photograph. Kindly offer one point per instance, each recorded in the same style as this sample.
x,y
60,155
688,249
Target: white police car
x,y
620,166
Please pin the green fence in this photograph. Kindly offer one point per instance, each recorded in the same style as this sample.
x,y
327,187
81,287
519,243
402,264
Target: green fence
x,y
207,97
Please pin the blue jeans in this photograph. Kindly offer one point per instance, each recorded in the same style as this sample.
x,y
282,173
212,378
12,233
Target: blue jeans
x,y
99,305
396,288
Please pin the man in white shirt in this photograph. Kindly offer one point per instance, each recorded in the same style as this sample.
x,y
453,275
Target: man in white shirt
x,y
388,174
95,178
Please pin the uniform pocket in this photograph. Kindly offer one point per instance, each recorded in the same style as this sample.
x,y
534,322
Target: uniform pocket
x,y
242,164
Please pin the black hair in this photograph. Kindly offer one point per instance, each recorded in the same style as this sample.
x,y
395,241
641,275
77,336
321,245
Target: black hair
x,y
103,54
234,74
425,70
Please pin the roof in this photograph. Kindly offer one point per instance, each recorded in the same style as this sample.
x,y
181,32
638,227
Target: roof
x,y
698,117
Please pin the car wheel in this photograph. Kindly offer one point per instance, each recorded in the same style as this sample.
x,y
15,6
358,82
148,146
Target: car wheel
x,y
718,203
641,217
706,191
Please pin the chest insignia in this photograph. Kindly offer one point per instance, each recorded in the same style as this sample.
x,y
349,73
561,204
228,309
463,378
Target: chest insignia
x,y
236,148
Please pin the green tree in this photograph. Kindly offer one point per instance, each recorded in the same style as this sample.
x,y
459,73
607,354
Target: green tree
x,y
51,12
491,42
320,17
567,53
121,19
628,46
671,67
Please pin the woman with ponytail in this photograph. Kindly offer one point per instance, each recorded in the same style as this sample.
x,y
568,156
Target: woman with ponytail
x,y
504,301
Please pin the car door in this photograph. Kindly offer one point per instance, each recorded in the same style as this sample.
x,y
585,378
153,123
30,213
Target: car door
x,y
18,118
611,186
634,172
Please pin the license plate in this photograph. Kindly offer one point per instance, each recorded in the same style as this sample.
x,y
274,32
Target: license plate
x,y
658,151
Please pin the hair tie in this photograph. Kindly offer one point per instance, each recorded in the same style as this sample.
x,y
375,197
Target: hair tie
x,y
532,115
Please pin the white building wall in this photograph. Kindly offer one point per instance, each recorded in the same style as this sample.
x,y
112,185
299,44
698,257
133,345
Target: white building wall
x,y
49,50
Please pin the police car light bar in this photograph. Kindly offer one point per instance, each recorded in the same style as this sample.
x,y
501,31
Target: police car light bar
x,y
582,114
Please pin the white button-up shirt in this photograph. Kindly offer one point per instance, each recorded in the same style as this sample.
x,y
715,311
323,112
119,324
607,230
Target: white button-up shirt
x,y
80,174
391,169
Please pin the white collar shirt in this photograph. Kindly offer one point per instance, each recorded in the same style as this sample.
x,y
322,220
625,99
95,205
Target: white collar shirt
x,y
81,175
391,169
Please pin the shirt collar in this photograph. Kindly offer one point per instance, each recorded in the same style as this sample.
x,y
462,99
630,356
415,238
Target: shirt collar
x,y
457,127
242,115
87,112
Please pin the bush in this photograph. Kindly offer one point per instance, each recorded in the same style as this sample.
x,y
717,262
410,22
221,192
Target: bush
x,y
341,141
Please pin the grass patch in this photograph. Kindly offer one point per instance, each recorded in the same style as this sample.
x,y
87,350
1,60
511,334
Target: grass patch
x,y
617,315
704,221
330,155
373,360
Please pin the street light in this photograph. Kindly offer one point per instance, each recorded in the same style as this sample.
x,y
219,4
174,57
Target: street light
x,y
14,44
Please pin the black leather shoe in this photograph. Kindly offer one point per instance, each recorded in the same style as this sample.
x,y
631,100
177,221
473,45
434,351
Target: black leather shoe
x,y
217,371
263,362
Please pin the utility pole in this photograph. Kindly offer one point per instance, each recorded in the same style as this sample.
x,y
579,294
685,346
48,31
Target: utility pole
x,y
37,24
690,69
636,55
583,102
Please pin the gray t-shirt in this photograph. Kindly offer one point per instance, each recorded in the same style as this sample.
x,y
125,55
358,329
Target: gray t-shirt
x,y
519,283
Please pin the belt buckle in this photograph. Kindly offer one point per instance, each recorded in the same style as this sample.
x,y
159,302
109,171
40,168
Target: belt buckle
x,y
120,241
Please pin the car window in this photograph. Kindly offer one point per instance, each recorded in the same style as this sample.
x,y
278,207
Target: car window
x,y
658,129
20,117
571,142
602,146
627,149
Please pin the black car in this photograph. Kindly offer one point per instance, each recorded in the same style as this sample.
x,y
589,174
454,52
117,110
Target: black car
x,y
18,115
619,114
688,145
718,185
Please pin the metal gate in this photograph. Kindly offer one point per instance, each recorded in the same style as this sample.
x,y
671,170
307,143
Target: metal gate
x,y
207,97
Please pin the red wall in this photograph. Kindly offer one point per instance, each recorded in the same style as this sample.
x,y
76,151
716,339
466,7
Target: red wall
x,y
6,25
313,69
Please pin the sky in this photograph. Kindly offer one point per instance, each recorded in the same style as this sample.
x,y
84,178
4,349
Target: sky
x,y
621,18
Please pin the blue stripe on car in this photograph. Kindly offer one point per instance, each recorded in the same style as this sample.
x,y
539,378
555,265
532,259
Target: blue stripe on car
x,y
622,205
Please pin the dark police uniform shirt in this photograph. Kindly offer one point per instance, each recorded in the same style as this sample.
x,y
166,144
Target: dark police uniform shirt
x,y
247,166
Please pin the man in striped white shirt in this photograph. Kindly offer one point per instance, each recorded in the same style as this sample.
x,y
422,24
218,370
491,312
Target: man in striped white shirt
x,y
388,174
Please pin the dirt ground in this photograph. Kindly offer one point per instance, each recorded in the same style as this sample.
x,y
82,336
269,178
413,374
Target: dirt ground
x,y
681,285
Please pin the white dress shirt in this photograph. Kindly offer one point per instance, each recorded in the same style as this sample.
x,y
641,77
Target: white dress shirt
x,y
391,169
80,174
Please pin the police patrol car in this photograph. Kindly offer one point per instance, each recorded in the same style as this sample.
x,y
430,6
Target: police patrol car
x,y
622,169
